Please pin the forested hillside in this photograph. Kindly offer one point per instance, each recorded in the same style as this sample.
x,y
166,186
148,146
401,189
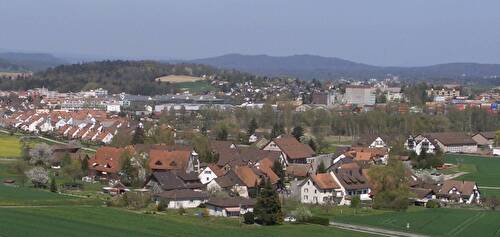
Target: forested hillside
x,y
134,77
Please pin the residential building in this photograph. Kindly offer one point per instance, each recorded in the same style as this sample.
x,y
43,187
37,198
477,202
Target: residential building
x,y
230,206
320,189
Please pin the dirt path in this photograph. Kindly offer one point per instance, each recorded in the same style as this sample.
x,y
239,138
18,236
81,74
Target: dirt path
x,y
373,230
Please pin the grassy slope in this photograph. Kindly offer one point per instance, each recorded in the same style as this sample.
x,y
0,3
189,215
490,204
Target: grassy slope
x,y
101,221
10,147
434,222
484,170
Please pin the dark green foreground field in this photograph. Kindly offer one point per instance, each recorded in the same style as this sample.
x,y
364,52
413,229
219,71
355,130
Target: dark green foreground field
x,y
77,221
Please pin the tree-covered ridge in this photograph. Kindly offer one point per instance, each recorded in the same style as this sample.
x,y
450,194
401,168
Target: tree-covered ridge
x,y
134,77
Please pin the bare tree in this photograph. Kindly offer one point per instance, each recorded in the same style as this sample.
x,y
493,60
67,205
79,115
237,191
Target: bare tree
x,y
41,154
38,176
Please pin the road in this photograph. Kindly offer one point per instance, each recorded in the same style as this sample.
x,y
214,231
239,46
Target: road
x,y
373,230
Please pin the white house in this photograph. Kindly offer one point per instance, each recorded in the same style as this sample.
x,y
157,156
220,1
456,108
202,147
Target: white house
x,y
412,144
229,207
459,192
320,189
185,198
210,173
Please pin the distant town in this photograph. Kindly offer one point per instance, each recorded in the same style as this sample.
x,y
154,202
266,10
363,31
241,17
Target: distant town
x,y
264,152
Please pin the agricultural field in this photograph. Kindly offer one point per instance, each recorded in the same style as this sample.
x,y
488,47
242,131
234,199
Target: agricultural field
x,y
483,170
10,146
433,222
103,221
194,87
179,79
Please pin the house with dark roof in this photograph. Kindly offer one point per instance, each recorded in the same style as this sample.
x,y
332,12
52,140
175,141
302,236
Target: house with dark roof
x,y
452,142
161,181
352,181
230,206
181,198
229,182
320,189
459,192
421,195
485,139
293,152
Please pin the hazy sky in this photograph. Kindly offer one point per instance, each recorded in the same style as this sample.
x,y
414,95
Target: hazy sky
x,y
380,32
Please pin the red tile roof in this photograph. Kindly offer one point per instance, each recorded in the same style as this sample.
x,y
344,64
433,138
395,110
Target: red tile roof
x,y
168,160
107,159
293,148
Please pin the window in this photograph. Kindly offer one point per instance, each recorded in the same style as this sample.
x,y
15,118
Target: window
x,y
208,178
315,191
306,197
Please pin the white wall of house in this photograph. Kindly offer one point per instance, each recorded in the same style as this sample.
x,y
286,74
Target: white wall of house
x,y
207,175
378,143
496,151
458,149
424,144
184,204
219,211
310,193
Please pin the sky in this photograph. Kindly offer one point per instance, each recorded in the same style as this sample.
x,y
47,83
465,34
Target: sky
x,y
378,32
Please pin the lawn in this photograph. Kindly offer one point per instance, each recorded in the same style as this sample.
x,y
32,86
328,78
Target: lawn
x,y
483,170
434,222
197,86
102,221
10,146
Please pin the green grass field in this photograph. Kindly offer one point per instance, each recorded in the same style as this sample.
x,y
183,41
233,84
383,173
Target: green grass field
x,y
434,222
197,86
484,170
102,221
10,146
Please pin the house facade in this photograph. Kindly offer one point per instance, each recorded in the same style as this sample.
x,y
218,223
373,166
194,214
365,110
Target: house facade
x,y
320,189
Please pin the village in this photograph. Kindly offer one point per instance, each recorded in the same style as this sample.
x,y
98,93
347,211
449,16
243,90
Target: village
x,y
165,151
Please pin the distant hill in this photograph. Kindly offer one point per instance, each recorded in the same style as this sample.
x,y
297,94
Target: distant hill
x,y
28,61
134,77
310,66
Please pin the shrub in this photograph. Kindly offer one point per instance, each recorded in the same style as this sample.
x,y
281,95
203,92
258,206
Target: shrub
x,y
205,213
432,204
117,201
355,201
161,205
181,211
318,220
302,213
248,218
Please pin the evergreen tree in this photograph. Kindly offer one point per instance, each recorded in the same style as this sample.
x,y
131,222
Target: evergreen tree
x,y
222,133
138,137
312,144
321,168
268,207
128,171
298,132
53,186
277,130
85,164
278,170
252,126
66,160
